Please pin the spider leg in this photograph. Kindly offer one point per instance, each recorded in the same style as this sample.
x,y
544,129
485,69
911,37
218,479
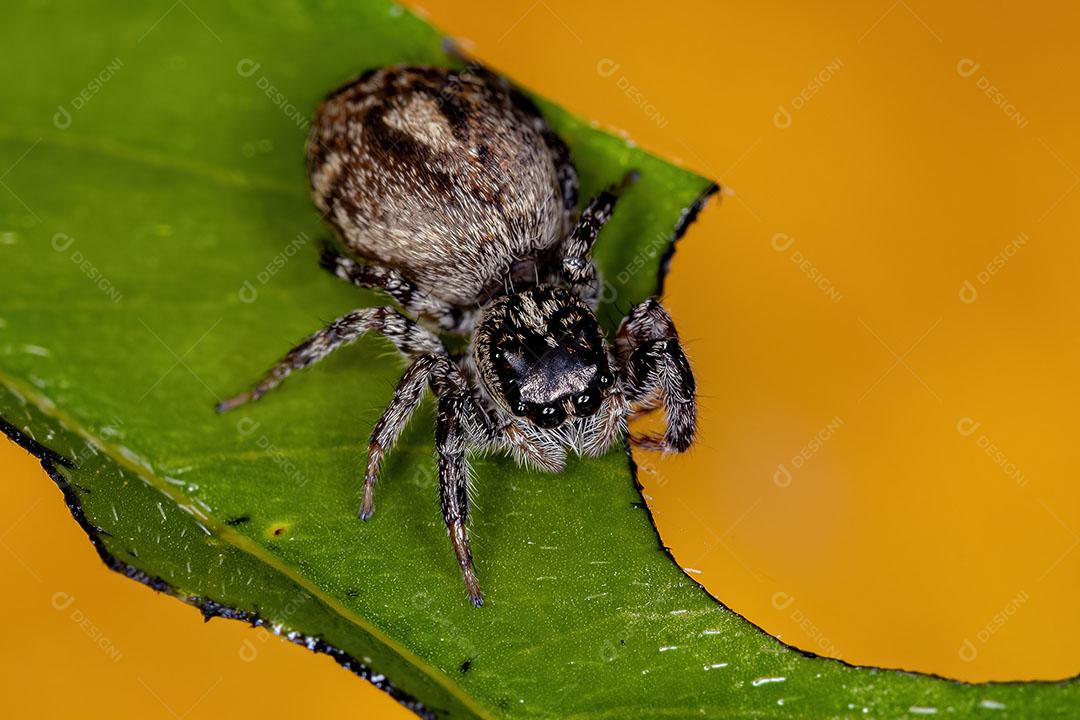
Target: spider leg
x,y
577,264
407,396
393,283
450,443
438,371
459,421
655,369
410,339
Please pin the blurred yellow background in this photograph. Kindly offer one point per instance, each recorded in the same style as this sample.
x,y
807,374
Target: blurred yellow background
x,y
883,322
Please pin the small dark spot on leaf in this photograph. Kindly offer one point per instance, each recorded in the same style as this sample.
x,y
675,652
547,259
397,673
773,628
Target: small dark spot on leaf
x,y
352,593
466,666
278,529
239,520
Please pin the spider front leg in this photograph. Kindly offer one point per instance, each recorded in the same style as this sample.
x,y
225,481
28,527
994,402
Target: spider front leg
x,y
577,264
450,443
445,379
655,372
459,420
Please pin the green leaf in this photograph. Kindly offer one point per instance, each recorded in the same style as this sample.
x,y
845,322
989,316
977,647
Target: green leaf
x,y
157,251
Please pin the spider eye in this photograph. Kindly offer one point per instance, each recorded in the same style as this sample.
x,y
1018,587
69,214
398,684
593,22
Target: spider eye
x,y
586,403
548,416
605,380
518,409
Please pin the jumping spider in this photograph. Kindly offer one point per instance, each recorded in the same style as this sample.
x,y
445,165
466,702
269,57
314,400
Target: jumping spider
x,y
451,194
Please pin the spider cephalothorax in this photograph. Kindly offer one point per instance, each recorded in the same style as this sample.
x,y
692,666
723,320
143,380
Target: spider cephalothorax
x,y
450,193
541,356
542,359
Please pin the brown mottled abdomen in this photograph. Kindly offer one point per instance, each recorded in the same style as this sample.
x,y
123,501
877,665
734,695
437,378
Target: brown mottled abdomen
x,y
449,177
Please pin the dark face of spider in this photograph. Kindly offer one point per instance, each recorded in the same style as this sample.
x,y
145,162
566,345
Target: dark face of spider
x,y
541,354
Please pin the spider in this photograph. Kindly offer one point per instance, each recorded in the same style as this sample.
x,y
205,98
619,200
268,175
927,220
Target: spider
x,y
448,191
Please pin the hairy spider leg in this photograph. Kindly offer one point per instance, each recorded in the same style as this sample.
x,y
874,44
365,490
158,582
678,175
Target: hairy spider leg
x,y
655,369
459,421
406,335
577,263
411,298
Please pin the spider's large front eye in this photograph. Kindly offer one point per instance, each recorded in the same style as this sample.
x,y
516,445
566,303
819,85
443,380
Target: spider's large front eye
x,y
548,416
586,403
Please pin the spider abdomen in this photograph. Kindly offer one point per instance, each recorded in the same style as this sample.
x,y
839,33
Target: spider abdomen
x,y
450,177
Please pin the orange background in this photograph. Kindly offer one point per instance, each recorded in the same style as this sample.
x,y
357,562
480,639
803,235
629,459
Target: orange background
x,y
884,472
